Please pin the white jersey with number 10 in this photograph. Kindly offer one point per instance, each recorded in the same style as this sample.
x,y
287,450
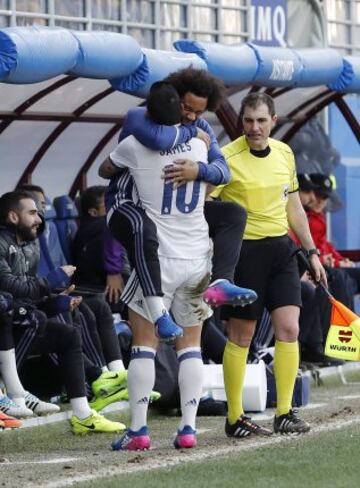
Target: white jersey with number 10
x,y
177,212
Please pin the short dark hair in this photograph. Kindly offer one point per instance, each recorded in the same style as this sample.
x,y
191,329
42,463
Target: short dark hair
x,y
30,188
164,104
199,82
253,100
10,201
90,198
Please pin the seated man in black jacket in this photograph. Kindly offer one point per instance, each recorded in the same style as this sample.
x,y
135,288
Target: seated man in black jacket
x,y
99,258
19,222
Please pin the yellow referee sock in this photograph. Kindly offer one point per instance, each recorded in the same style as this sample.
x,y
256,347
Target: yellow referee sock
x,y
286,364
234,364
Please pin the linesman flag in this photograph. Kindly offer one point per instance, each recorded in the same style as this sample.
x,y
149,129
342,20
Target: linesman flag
x,y
343,340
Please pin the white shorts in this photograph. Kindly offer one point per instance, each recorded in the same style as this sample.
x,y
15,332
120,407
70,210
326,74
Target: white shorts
x,y
183,284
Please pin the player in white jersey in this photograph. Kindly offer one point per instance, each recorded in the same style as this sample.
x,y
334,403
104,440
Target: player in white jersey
x,y
171,209
184,253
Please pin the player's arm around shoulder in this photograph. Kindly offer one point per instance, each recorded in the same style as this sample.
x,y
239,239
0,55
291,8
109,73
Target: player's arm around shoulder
x,y
216,172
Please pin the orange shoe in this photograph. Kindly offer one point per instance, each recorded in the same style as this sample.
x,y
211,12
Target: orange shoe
x,y
8,422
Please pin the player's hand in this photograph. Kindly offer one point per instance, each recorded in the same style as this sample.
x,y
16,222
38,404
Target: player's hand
x,y
75,301
204,136
69,269
182,171
114,287
319,271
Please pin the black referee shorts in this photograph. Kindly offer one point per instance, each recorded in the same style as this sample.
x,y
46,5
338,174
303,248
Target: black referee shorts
x,y
269,267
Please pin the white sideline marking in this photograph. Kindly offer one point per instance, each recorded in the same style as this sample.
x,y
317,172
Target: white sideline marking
x,y
201,431
349,397
311,406
197,455
45,461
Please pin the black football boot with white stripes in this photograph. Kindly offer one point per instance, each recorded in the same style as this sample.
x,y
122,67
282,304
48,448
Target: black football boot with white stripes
x,y
244,427
290,423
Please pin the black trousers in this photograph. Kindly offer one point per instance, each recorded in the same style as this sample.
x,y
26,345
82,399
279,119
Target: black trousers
x,y
213,341
51,336
226,221
105,326
64,340
354,274
311,333
6,332
137,233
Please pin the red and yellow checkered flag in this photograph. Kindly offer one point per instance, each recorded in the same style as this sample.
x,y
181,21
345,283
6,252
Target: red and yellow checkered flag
x,y
343,340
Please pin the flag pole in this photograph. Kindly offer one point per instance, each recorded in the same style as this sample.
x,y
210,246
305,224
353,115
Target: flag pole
x,y
304,260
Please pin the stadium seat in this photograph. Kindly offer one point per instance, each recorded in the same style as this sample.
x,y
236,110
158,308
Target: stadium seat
x,y
51,254
65,221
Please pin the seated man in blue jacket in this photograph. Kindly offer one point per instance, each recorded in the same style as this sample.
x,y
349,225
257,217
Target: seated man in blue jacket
x,y
199,91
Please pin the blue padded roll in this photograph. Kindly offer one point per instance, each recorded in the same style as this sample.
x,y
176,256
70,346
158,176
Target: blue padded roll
x,y
233,64
155,66
42,53
106,55
320,66
277,66
8,55
349,79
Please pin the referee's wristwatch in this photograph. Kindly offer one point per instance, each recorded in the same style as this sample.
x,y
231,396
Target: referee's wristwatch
x,y
310,252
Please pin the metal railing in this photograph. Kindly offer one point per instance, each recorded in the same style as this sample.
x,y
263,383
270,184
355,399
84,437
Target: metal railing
x,y
194,26
350,24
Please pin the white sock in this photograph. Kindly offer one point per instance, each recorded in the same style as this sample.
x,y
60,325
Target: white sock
x,y
10,375
141,380
80,407
156,307
190,384
116,365
104,369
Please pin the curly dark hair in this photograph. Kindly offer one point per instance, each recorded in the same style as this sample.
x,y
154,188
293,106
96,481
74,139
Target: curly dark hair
x,y
199,82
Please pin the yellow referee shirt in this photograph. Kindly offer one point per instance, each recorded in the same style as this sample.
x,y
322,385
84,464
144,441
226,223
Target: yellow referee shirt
x,y
261,185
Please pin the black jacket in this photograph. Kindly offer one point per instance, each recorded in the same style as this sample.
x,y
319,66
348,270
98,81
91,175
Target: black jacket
x,y
18,267
88,253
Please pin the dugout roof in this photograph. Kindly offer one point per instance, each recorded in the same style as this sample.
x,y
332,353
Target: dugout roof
x,y
57,132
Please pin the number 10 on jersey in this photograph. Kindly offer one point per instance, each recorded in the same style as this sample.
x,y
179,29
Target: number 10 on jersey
x,y
181,204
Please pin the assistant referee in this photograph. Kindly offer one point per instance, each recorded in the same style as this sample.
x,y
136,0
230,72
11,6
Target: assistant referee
x,y
263,181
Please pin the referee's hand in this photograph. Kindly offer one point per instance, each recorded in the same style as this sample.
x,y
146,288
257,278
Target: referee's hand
x,y
319,271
